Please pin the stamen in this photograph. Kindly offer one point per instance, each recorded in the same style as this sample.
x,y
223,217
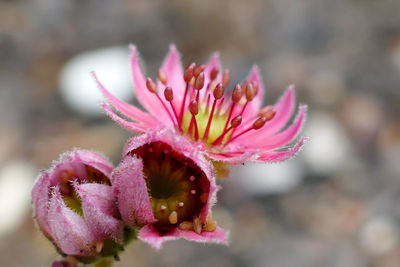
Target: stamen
x,y
162,77
226,78
186,225
210,224
173,217
151,86
218,93
213,74
187,76
199,81
236,96
169,96
197,225
181,204
259,123
194,110
267,112
199,69
234,124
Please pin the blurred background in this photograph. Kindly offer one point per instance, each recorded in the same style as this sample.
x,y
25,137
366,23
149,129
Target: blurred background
x,y
336,204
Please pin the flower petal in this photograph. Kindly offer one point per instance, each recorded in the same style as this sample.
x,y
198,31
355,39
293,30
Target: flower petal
x,y
148,100
233,158
282,138
184,146
126,109
150,235
278,156
70,231
131,192
213,63
40,201
100,211
132,126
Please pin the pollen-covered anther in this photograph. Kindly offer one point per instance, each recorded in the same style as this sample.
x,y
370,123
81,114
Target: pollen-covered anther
x,y
226,77
213,74
194,108
99,246
268,113
151,85
162,77
218,91
186,225
236,121
199,69
259,123
210,224
168,94
237,93
188,74
250,94
173,217
197,225
199,83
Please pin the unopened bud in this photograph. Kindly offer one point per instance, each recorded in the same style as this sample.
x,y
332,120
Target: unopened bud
x,y
168,94
151,86
218,91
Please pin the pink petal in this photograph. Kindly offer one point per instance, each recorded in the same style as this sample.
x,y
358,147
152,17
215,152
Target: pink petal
x,y
126,109
150,235
183,145
40,201
173,69
233,158
284,109
132,126
131,192
100,211
278,156
148,100
70,231
282,138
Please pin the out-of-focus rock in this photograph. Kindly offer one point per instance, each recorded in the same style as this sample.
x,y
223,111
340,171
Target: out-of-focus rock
x,y
78,87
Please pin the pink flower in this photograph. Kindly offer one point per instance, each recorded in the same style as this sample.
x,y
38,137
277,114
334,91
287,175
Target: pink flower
x,y
74,206
166,187
232,128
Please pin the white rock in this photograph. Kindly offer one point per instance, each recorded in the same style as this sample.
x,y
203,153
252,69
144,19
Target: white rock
x,y
16,180
77,85
379,235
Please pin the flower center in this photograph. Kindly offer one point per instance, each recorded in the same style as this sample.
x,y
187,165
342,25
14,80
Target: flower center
x,y
80,173
206,113
176,185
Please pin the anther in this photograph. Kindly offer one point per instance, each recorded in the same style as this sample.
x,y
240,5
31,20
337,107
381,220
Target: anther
x,y
199,81
188,74
193,192
259,123
197,225
99,246
226,77
237,93
168,94
218,91
192,178
173,217
236,121
199,69
186,225
213,74
162,76
163,208
151,85
267,112
249,92
194,107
